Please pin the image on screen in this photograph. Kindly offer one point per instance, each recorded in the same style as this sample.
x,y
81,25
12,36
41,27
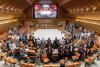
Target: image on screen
x,y
45,11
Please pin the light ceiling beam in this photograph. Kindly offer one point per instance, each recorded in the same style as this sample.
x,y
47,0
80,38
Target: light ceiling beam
x,y
63,2
30,1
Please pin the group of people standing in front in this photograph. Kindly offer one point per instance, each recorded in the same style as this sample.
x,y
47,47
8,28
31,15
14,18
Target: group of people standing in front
x,y
77,41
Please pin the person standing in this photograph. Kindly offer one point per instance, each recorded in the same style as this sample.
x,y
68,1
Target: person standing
x,y
38,41
56,43
48,42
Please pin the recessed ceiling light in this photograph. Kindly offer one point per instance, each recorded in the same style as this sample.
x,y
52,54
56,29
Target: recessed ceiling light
x,y
94,8
11,9
82,9
2,10
87,9
7,8
1,7
77,9
7,11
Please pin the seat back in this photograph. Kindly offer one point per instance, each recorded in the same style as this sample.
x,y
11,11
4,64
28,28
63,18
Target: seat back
x,y
46,65
70,65
23,64
31,65
77,64
54,65
44,55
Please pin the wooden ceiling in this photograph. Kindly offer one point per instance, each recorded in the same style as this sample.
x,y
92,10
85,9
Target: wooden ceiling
x,y
13,8
72,6
81,5
17,5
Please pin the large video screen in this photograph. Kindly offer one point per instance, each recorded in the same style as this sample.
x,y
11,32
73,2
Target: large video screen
x,y
45,11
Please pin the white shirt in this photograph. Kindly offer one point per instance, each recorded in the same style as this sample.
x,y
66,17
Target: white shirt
x,y
17,37
62,41
38,41
12,46
88,34
28,36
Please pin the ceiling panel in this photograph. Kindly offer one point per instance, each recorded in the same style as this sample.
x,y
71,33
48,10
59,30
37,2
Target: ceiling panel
x,y
82,4
13,8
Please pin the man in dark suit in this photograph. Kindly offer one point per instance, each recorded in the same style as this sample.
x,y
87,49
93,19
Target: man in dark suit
x,y
48,42
56,43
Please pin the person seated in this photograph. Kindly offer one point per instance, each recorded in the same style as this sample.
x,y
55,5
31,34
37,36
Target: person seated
x,y
49,50
17,54
61,51
21,44
76,56
30,45
8,44
66,53
23,53
33,39
62,63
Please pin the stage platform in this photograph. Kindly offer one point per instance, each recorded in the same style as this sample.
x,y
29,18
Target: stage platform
x,y
48,33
